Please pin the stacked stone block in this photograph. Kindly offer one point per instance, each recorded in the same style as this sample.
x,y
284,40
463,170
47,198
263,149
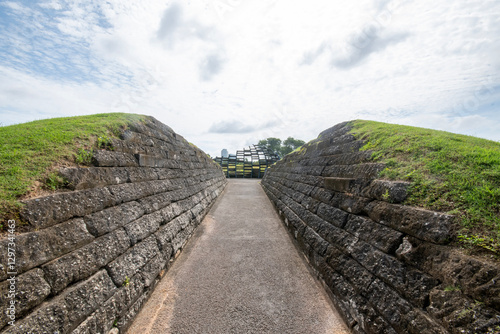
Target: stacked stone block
x,y
95,253
389,268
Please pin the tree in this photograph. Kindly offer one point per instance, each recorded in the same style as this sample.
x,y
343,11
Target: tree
x,y
290,144
274,144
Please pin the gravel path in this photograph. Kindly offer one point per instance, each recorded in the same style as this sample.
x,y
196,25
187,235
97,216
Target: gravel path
x,y
240,273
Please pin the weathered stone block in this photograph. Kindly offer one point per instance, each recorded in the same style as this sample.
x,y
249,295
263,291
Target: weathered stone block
x,y
357,275
312,180
132,191
335,257
296,207
310,204
143,227
392,307
50,210
128,264
141,174
315,241
419,322
153,268
409,282
311,170
168,173
30,290
389,191
127,294
107,220
332,215
100,321
349,203
167,134
187,204
177,208
353,158
423,224
156,202
197,209
336,236
84,299
341,184
358,307
132,136
297,196
170,212
294,220
335,131
460,314
180,240
322,195
149,132
320,226
350,147
102,158
305,189
477,278
85,261
35,248
152,161
65,312
126,319
380,236
93,177
162,186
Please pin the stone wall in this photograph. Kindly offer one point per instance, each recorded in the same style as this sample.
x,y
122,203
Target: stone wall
x,y
389,268
96,253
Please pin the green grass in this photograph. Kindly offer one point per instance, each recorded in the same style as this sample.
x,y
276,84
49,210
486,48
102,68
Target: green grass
x,y
448,172
30,151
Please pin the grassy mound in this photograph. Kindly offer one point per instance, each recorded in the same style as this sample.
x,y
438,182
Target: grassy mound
x,y
29,152
448,172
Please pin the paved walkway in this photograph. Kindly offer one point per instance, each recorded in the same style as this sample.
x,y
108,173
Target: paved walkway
x,y
240,273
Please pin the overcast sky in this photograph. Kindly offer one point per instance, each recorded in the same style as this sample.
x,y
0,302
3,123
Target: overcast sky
x,y
226,73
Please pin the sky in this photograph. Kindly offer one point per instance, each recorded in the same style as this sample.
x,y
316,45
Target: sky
x,y
227,73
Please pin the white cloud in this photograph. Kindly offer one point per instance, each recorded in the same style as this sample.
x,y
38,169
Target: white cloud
x,y
273,68
363,44
211,66
170,22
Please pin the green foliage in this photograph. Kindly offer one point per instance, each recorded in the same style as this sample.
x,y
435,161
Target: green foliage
x,y
126,282
452,288
29,150
281,148
464,312
448,172
273,144
300,150
290,144
55,181
469,309
83,156
386,196
490,244
104,142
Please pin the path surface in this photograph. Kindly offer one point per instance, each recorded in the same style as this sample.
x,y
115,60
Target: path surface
x,y
240,273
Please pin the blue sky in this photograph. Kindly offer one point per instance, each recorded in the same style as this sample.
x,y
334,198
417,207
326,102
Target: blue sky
x,y
226,73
